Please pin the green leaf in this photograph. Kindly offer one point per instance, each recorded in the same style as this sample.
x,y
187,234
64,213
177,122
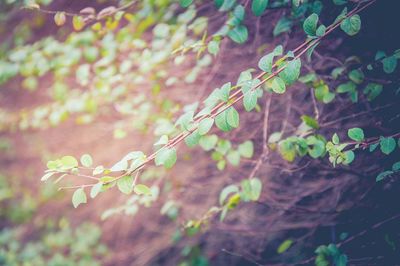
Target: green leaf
x,y
310,24
335,139
287,150
125,184
258,7
232,117
69,162
256,188
246,149
291,72
278,85
351,25
349,157
213,47
225,193
162,141
79,197
396,166
78,23
239,34
383,175
317,147
284,25
340,2
47,176
225,5
356,134
205,125
142,189
224,92
387,145
185,3
208,142
357,76
107,179
96,190
59,18
239,12
265,63
320,31
389,64
250,100
193,139
221,121
309,121
166,157
233,157
86,160
98,170
285,245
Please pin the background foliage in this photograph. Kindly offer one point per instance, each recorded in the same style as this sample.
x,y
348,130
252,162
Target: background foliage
x,y
199,132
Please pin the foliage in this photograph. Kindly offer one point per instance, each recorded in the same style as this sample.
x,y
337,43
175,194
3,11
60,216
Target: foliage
x,y
141,43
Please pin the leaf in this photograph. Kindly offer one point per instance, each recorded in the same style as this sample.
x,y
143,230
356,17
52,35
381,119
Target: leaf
x,y
78,23
351,25
162,141
141,189
265,63
291,72
239,12
224,92
79,197
125,184
309,121
389,64
221,121
387,145
320,31
226,191
185,3
335,139
86,160
47,176
193,139
383,175
278,85
349,157
120,166
224,5
107,179
285,245
250,100
232,117
69,162
256,188
233,157
96,190
283,25
59,18
98,170
357,76
166,157
246,149
205,125
213,47
310,24
239,34
356,134
208,142
396,166
258,7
